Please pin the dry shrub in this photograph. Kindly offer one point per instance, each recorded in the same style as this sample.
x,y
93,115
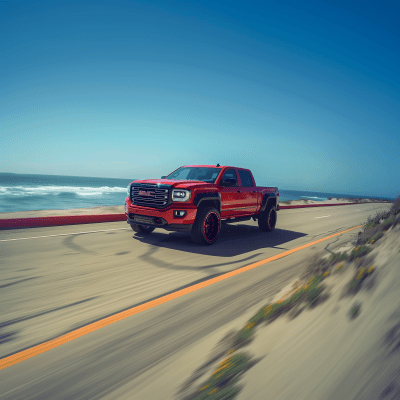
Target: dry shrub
x,y
368,234
395,209
337,257
358,252
365,262
317,266
375,225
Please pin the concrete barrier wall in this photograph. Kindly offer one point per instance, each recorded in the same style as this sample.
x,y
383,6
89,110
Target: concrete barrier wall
x,y
13,223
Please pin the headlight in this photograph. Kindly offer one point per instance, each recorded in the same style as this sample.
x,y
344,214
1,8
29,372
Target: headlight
x,y
128,190
180,195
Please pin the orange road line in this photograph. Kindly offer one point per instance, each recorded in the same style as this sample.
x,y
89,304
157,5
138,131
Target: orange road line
x,y
51,344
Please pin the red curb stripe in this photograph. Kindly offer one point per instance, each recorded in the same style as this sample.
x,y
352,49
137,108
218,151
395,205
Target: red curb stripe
x,y
13,223
59,220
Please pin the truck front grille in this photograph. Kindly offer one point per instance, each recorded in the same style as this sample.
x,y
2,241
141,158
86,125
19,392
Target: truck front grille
x,y
155,196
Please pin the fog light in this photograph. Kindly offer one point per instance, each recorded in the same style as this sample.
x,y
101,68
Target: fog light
x,y
179,214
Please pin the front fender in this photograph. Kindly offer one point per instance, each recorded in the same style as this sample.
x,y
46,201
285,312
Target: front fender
x,y
208,196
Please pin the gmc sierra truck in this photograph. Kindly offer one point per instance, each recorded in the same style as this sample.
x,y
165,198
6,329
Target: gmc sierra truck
x,y
196,198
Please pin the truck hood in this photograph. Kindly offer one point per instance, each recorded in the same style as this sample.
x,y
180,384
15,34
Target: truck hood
x,y
177,183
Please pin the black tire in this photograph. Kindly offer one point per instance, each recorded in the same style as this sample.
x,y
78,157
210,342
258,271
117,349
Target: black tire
x,y
267,219
207,226
144,229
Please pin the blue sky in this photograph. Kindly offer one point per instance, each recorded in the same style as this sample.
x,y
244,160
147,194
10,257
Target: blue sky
x,y
305,94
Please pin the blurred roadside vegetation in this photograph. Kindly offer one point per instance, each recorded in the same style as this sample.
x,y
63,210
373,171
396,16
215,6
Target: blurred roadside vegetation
x,y
223,384
376,226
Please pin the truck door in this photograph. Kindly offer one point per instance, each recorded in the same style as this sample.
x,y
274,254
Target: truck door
x,y
230,194
249,190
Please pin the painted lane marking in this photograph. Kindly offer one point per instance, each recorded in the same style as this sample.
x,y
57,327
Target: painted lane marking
x,y
68,337
324,216
62,234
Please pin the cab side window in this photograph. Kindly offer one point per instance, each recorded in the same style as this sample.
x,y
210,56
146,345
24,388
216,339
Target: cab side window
x,y
245,178
230,174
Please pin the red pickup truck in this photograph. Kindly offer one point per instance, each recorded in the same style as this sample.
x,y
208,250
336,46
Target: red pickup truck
x,y
196,198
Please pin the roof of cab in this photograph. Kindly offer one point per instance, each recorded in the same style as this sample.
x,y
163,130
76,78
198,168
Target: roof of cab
x,y
209,166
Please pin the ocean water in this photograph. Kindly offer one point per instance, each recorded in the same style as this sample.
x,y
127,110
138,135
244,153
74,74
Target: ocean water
x,y
19,192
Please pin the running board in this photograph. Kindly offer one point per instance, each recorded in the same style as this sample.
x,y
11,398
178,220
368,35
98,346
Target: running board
x,y
238,219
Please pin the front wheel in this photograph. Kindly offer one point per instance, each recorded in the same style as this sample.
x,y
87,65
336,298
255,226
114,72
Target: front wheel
x,y
207,225
142,229
267,219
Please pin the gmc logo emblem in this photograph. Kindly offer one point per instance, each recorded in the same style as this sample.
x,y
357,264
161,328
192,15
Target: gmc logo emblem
x,y
144,193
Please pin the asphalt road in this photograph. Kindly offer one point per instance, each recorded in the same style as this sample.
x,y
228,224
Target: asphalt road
x,y
54,280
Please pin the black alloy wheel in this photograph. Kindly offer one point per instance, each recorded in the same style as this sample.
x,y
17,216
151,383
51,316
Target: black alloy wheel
x,y
207,226
267,219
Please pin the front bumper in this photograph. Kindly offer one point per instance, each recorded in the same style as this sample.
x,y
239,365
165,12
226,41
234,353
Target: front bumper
x,y
161,218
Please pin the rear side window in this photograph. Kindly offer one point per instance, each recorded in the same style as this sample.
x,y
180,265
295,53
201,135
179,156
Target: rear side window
x,y
230,174
245,177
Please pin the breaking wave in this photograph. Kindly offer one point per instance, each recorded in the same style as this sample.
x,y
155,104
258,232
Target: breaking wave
x,y
314,198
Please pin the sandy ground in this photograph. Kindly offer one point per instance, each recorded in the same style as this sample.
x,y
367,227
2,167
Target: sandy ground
x,y
323,353
121,209
329,201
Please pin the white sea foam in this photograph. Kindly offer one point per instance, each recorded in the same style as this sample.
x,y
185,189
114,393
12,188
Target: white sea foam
x,y
23,191
314,198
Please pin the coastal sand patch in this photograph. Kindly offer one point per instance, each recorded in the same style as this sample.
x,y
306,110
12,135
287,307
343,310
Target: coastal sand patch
x,y
304,202
323,353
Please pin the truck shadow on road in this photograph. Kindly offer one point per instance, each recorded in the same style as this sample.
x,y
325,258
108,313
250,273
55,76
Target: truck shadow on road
x,y
234,240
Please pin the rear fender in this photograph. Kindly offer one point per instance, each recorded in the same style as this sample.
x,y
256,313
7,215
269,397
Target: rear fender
x,y
269,199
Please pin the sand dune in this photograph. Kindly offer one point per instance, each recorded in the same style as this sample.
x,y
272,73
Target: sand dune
x,y
323,353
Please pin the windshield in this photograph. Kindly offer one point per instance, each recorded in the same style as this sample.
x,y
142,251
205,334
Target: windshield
x,y
204,174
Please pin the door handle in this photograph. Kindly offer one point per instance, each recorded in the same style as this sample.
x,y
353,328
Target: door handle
x,y
239,191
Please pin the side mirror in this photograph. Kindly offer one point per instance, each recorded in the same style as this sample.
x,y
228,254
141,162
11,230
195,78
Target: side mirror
x,y
229,182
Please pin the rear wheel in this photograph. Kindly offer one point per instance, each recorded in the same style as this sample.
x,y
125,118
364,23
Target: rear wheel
x,y
145,229
267,219
207,225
